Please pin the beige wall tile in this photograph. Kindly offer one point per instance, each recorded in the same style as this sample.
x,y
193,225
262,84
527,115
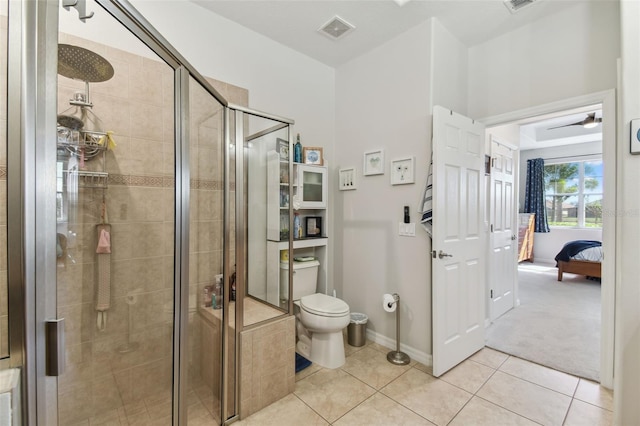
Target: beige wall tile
x,y
146,83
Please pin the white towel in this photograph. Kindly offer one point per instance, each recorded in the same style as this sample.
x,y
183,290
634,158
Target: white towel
x,y
427,202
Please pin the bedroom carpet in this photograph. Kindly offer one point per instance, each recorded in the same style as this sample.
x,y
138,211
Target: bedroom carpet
x,y
557,323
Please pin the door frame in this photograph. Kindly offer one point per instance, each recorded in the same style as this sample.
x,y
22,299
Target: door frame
x,y
607,99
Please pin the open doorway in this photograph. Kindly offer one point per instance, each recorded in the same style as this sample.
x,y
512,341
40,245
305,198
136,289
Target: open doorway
x,y
565,325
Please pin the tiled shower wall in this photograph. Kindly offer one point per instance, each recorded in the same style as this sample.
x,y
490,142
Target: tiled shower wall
x,y
131,359
102,374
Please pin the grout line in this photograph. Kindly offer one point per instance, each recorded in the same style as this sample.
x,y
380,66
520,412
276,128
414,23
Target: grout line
x,y
507,409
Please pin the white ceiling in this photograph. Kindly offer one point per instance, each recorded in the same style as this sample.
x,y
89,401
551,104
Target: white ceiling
x,y
294,23
538,132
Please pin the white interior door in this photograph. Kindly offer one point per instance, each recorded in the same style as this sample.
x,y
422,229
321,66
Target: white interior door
x,y
503,229
459,241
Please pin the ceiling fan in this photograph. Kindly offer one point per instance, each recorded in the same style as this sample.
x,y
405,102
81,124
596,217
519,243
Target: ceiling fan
x,y
588,123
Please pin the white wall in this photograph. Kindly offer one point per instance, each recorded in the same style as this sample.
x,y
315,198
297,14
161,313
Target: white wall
x,y
280,80
382,102
547,245
566,55
449,79
627,364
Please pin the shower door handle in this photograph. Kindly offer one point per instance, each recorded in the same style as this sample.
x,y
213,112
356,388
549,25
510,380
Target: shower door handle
x,y
54,331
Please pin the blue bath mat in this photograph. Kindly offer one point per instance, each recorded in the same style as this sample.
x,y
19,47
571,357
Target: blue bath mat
x,y
301,362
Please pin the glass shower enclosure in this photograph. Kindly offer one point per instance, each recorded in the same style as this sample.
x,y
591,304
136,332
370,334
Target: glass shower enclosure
x,y
129,186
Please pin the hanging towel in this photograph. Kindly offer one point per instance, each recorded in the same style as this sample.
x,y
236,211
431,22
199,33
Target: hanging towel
x,y
427,202
108,140
103,291
104,242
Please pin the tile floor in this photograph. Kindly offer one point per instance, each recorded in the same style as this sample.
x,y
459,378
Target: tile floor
x,y
490,388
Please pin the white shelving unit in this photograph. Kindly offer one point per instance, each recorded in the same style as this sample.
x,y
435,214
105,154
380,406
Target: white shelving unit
x,y
309,194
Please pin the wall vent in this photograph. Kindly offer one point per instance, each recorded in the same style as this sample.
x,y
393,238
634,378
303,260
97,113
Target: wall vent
x,y
336,28
516,5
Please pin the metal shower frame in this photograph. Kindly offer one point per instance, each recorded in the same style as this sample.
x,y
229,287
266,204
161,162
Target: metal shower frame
x,y
31,159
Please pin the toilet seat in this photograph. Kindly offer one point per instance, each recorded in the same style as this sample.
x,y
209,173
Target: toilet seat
x,y
323,305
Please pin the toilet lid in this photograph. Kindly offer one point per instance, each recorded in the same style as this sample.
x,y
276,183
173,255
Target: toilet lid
x,y
321,304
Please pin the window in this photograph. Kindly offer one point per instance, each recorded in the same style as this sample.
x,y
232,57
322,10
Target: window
x,y
574,194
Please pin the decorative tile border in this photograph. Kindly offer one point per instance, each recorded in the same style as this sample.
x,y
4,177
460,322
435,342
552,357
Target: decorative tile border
x,y
157,181
162,182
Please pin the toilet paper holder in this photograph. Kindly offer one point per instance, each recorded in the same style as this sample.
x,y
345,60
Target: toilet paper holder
x,y
396,357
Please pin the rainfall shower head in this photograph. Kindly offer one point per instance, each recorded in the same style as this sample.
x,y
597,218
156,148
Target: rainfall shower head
x,y
80,131
79,63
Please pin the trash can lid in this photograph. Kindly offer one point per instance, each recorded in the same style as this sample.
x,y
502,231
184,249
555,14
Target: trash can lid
x,y
358,318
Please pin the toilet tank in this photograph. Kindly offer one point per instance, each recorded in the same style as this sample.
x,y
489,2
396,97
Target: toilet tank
x,y
305,279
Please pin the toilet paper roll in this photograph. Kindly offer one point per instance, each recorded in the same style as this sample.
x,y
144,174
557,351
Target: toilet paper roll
x,y
389,302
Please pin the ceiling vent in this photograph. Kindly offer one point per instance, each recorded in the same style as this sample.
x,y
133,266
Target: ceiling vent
x,y
516,5
336,28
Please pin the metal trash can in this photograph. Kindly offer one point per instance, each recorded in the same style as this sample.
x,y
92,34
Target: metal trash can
x,y
357,329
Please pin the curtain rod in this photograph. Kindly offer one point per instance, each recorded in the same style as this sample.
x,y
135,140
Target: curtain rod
x,y
570,156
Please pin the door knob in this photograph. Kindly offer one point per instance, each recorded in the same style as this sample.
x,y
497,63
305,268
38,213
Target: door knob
x,y
442,254
513,238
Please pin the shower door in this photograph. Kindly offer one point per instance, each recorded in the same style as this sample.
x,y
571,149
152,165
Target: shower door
x,y
116,221
124,226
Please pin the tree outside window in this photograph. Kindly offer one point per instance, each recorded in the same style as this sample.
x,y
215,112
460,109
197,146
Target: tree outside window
x,y
574,194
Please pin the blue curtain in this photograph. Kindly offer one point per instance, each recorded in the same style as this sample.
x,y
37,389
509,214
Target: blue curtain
x,y
534,201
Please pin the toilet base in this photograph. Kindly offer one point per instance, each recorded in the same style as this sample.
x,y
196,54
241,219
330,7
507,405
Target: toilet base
x,y
327,349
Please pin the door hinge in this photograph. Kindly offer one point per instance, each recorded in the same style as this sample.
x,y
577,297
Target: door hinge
x,y
492,227
491,293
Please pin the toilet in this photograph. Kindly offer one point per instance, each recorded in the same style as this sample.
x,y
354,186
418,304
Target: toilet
x,y
320,319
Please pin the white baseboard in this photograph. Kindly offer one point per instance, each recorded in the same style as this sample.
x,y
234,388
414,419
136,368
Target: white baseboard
x,y
414,354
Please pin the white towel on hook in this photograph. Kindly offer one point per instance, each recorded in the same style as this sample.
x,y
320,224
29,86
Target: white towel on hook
x,y
427,202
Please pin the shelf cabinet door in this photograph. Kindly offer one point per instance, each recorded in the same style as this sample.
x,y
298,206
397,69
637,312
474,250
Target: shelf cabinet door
x,y
311,188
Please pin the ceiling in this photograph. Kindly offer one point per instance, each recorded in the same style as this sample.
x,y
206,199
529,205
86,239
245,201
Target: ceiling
x,y
538,132
294,23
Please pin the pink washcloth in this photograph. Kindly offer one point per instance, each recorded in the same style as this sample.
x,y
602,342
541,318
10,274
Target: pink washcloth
x,y
104,242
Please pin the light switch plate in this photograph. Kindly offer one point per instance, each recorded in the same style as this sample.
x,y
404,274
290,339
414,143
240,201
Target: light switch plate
x,y
635,136
407,229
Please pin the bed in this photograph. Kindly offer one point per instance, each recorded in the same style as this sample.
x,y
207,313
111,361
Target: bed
x,y
582,257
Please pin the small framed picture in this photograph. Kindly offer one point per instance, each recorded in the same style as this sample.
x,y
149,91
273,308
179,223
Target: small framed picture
x,y
373,163
283,149
347,179
313,226
403,171
312,155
